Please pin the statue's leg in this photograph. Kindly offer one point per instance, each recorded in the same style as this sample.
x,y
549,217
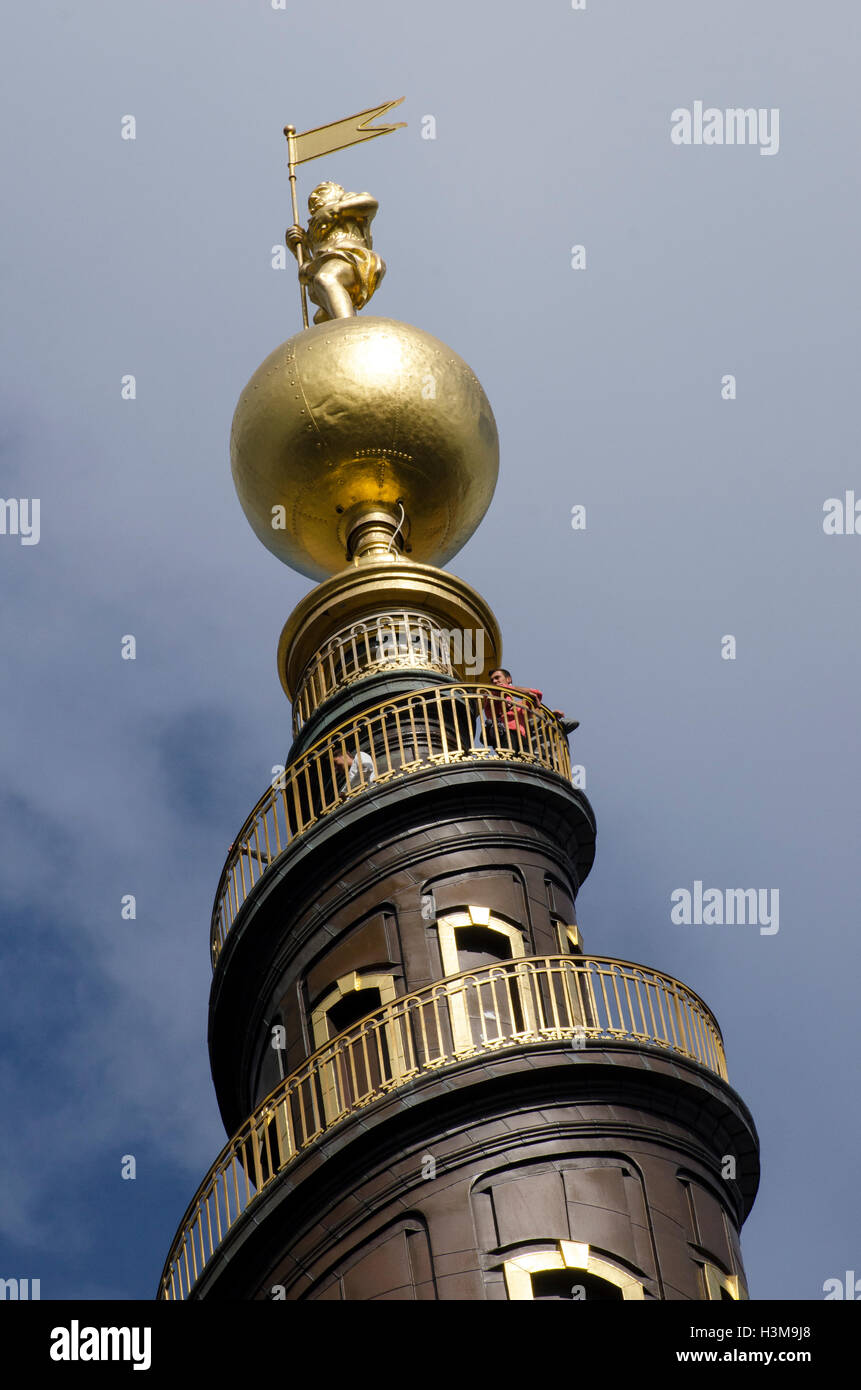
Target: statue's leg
x,y
321,316
332,283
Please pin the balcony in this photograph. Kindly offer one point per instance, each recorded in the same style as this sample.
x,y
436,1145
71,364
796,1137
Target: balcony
x,y
388,642
424,729
522,1003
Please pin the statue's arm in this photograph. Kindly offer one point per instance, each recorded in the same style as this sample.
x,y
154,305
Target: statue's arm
x,y
358,205
295,237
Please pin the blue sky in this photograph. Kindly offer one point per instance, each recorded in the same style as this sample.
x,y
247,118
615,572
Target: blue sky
x,y
704,518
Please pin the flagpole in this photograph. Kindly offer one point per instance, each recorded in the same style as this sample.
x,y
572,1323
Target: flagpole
x,y
290,132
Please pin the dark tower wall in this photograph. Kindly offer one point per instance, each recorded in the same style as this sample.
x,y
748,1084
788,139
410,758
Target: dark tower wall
x,y
447,1190
364,894
433,1092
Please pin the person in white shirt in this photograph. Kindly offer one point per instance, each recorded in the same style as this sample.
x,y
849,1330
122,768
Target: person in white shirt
x,y
359,768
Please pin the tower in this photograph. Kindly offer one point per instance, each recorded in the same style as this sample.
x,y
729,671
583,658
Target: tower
x,y
431,1090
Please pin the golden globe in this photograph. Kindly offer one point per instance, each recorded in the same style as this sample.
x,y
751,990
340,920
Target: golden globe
x,y
361,416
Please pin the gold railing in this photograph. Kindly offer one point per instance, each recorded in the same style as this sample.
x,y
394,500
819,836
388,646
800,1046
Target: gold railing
x,y
519,1003
423,729
386,642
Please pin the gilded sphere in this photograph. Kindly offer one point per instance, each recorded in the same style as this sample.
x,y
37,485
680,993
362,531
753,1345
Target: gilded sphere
x,y
355,416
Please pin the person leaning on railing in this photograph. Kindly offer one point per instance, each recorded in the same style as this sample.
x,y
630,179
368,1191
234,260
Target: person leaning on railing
x,y
507,715
357,767
359,771
251,852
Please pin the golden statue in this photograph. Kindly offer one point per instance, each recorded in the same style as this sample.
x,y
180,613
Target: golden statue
x,y
359,440
337,262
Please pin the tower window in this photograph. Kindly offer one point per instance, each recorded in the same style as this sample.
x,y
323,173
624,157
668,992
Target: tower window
x,y
350,1008
495,1008
721,1286
475,936
477,946
372,1057
568,937
569,1272
554,1284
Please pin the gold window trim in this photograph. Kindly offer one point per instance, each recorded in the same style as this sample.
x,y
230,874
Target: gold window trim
x,y
472,917
447,926
569,938
570,1254
347,984
717,1281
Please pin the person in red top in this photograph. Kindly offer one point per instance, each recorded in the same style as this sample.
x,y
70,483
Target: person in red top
x,y
507,715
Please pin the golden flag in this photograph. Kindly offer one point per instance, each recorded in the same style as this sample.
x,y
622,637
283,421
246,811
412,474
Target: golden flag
x,y
325,139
